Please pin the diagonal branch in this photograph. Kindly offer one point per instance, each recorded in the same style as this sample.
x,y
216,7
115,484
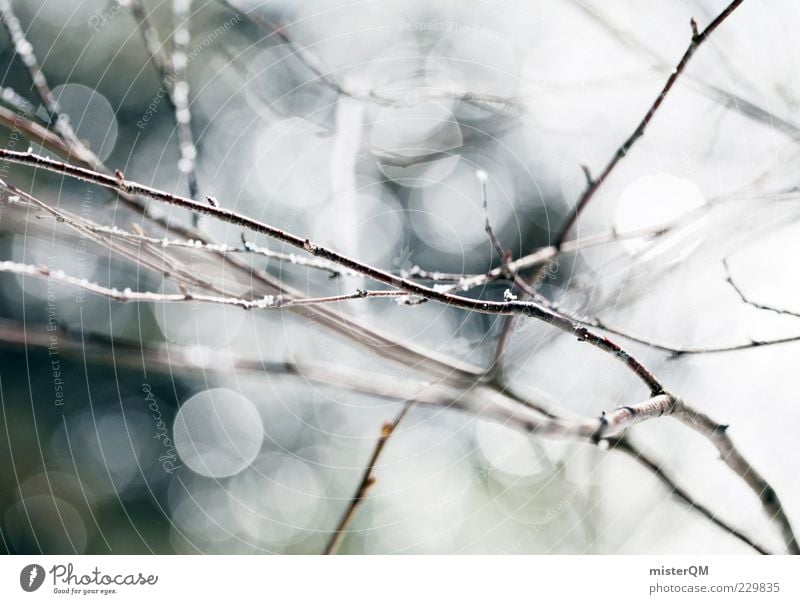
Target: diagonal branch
x,y
595,183
718,435
172,357
748,301
24,51
623,444
366,483
533,310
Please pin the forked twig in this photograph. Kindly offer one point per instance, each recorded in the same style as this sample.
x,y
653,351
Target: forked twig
x,y
594,184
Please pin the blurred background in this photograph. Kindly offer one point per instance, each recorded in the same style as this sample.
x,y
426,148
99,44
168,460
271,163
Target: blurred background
x,y
157,428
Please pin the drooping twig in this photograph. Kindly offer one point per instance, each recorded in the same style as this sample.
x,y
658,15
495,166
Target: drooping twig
x,y
366,483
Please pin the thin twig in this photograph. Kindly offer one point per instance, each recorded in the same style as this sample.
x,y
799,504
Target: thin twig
x,y
748,301
621,443
499,105
595,183
129,295
366,483
152,40
718,435
247,247
24,51
181,36
171,68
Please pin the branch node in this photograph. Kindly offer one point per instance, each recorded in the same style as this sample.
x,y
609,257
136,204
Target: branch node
x,y
587,173
695,32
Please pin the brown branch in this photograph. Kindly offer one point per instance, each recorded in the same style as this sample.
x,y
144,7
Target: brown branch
x,y
595,183
718,435
529,309
375,339
623,444
748,301
366,483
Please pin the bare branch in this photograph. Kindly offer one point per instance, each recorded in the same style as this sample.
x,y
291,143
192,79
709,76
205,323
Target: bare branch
x,y
172,357
152,40
623,444
748,301
179,93
17,102
129,295
530,309
24,51
718,435
594,184
171,69
366,483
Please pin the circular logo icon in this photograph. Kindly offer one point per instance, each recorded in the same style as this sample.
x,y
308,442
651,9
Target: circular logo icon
x,y
31,577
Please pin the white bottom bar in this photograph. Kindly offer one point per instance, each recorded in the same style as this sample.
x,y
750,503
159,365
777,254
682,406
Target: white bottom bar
x,y
401,579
